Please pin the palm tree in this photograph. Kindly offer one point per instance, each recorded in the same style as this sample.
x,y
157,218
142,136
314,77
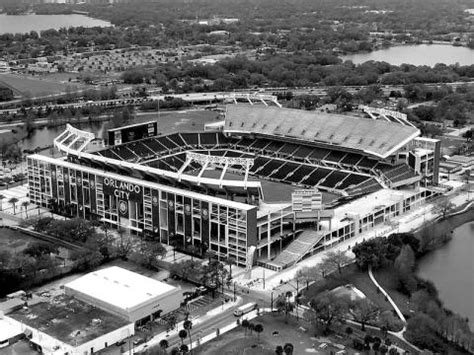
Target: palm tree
x,y
231,260
245,325
25,205
188,325
2,197
164,345
13,201
251,327
258,329
288,349
182,334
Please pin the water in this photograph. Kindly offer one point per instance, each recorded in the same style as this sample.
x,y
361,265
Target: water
x,y
451,268
422,54
27,23
189,120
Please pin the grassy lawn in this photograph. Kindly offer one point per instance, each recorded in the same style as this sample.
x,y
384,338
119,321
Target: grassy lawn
x,y
183,121
13,241
275,332
34,86
388,281
350,275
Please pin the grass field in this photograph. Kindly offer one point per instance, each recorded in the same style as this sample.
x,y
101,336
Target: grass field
x,y
13,241
275,332
23,85
182,121
350,275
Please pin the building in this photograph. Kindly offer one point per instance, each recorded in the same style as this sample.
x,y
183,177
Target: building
x,y
126,294
65,325
229,190
10,332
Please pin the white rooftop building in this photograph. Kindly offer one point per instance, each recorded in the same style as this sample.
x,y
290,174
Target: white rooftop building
x,y
126,293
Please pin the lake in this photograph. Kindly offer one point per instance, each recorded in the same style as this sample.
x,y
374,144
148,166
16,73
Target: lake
x,y
422,54
451,268
27,23
169,121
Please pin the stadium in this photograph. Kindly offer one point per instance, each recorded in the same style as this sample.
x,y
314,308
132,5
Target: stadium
x,y
266,186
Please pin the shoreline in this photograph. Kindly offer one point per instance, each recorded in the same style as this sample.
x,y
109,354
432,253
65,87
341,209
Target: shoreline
x,y
440,43
446,227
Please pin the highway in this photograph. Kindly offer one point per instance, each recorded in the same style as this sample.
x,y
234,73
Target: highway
x,y
209,97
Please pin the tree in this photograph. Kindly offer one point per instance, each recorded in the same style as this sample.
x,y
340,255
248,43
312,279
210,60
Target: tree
x,y
363,311
283,305
188,269
148,253
422,331
258,329
230,261
175,351
370,253
336,259
405,261
25,205
164,344
188,325
13,201
171,321
328,308
307,275
445,206
2,197
214,275
245,325
288,348
38,249
182,335
251,327
279,350
468,135
184,349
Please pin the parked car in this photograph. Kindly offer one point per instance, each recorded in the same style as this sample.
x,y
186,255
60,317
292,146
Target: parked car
x,y
138,341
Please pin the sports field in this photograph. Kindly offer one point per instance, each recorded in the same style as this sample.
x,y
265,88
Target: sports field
x,y
183,121
30,86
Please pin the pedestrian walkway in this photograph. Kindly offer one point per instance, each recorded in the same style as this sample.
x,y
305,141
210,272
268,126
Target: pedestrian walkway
x,y
406,223
22,207
209,315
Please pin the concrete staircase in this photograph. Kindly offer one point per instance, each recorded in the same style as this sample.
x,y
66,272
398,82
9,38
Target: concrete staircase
x,y
297,249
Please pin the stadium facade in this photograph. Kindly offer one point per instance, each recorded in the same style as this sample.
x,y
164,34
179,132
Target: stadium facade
x,y
229,190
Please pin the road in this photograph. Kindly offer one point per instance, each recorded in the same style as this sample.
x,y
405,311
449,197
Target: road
x,y
208,97
202,326
98,118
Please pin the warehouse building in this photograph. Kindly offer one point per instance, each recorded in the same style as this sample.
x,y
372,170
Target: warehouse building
x,y
65,325
126,294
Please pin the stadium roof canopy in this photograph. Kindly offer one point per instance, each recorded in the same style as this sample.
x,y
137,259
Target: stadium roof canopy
x,y
119,287
375,137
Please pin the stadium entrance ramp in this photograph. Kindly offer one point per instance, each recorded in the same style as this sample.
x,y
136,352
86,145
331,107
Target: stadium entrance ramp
x,y
296,250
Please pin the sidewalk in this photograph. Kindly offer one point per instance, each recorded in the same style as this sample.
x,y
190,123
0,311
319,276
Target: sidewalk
x,y
155,341
406,223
